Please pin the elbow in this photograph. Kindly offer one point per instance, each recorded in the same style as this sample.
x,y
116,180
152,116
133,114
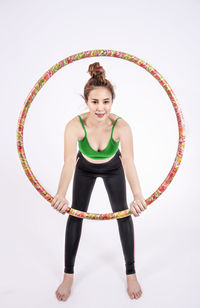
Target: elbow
x,y
127,161
70,162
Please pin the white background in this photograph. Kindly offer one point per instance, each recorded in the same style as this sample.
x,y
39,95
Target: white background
x,y
35,35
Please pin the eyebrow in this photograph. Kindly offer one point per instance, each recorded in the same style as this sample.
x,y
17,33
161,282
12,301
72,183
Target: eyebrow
x,y
97,99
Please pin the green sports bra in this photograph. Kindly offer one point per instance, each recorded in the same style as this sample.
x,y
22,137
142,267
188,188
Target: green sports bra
x,y
86,149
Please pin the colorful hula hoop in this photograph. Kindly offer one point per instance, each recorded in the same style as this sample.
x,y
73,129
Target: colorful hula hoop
x,y
100,53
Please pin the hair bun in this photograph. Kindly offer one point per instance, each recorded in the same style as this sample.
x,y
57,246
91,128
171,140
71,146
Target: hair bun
x,y
96,71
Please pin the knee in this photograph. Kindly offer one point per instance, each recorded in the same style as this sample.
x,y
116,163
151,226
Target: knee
x,y
75,219
127,218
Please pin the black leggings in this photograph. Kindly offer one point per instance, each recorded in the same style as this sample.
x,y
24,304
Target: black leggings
x,y
85,176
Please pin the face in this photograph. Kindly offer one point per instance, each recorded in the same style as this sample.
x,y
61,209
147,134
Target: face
x,y
99,102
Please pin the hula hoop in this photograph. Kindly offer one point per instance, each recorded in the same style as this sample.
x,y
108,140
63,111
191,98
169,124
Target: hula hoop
x,y
100,53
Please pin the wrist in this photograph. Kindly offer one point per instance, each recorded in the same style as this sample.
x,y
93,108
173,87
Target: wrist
x,y
61,194
137,195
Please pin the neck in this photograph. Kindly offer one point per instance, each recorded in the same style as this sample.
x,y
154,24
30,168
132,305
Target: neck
x,y
93,122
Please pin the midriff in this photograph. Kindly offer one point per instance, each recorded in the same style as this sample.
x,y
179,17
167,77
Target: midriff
x,y
97,161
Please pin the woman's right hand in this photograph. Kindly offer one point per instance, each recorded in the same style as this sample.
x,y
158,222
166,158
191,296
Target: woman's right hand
x,y
60,203
137,206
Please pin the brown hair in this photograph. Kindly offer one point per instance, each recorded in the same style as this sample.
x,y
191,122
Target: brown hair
x,y
97,80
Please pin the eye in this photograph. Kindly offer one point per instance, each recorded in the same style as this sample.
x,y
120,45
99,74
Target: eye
x,y
107,102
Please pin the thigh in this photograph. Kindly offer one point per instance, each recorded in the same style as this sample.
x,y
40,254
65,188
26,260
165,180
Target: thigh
x,y
115,184
83,184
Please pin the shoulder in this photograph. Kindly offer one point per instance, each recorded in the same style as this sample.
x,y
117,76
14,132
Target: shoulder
x,y
72,126
123,129
121,122
75,121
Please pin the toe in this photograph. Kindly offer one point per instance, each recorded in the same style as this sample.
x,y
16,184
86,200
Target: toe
x,y
136,295
132,296
59,297
64,297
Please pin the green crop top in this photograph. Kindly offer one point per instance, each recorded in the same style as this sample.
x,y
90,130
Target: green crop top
x,y
86,149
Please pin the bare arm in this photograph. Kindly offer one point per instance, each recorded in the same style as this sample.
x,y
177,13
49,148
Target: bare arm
x,y
70,149
126,140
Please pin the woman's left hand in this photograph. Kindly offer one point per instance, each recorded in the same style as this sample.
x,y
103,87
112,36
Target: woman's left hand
x,y
138,205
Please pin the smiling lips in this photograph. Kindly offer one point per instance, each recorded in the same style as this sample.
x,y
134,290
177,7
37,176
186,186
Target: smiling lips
x,y
100,115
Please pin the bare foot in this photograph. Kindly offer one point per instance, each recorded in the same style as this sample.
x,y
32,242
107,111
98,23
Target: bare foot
x,y
64,289
133,286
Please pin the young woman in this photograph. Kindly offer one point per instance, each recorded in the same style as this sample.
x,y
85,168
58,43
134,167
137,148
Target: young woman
x,y
98,133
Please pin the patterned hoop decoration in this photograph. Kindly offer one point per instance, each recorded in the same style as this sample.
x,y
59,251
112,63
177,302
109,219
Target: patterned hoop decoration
x,y
100,53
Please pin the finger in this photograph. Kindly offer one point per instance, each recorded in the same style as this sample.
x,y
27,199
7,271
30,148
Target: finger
x,y
52,203
144,205
140,204
61,204
137,208
133,210
54,200
64,206
57,204
63,210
